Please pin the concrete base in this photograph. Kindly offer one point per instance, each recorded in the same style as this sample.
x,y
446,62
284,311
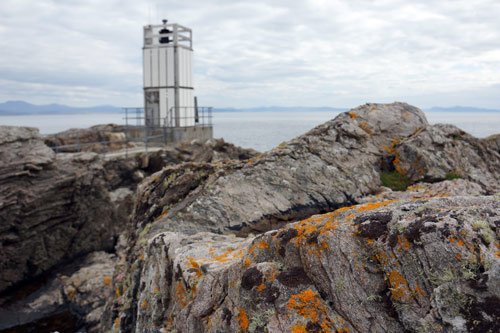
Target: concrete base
x,y
169,135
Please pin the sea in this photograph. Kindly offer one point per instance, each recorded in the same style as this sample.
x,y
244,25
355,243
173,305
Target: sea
x,y
258,130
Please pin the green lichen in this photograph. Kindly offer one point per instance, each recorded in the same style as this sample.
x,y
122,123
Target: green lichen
x,y
141,240
257,321
485,231
442,277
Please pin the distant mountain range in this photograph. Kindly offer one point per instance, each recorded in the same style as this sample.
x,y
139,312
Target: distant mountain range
x,y
280,109
13,108
24,108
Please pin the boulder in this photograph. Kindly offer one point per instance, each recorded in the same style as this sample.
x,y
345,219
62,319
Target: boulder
x,y
428,265
53,208
441,151
72,301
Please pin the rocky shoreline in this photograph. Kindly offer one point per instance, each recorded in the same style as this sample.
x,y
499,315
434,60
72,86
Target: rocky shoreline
x,y
208,237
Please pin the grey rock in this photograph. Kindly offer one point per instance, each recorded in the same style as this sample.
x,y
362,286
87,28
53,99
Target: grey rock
x,y
431,266
441,149
333,165
79,297
53,208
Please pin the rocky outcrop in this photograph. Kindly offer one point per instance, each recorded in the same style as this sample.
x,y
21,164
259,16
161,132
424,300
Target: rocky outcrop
x,y
439,150
97,139
72,301
334,165
419,265
53,208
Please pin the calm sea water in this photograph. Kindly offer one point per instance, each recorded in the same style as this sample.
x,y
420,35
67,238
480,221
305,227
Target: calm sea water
x,y
259,130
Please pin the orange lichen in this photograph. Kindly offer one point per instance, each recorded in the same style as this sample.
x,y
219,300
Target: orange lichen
x,y
352,115
107,280
342,330
261,287
374,205
180,292
391,148
396,165
399,286
165,213
243,320
403,243
117,292
365,127
418,290
117,322
263,244
144,304
247,262
156,291
307,305
299,328
71,293
195,266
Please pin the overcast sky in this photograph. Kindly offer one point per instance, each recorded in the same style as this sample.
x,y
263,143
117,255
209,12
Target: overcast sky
x,y
255,53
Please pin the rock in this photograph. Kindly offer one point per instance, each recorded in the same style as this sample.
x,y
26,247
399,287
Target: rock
x,y
97,139
446,188
333,165
71,302
441,150
418,265
53,208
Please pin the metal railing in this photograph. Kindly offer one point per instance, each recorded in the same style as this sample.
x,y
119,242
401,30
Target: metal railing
x,y
137,132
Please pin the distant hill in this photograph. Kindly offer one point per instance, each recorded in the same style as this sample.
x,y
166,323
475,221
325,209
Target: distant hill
x,y
459,109
24,108
280,109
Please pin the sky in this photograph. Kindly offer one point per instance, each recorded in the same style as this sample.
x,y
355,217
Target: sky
x,y
337,53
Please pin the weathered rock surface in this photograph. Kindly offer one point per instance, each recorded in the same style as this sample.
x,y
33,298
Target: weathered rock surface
x,y
333,165
446,188
72,301
97,139
52,207
440,149
336,164
56,207
419,265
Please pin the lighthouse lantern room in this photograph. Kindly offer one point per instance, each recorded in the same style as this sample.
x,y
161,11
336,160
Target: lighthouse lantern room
x,y
168,76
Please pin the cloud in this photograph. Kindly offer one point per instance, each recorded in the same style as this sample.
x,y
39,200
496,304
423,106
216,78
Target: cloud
x,y
251,53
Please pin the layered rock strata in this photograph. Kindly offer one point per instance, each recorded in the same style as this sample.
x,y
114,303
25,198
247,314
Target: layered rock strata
x,y
53,208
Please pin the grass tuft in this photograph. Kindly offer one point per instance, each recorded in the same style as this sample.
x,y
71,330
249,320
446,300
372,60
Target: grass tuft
x,y
394,180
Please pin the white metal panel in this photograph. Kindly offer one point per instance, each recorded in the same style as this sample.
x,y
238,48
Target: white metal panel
x,y
163,105
187,110
182,70
163,67
170,104
147,67
190,69
155,82
170,66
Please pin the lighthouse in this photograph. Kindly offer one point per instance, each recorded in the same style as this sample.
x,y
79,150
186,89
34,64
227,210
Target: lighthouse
x,y
169,99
